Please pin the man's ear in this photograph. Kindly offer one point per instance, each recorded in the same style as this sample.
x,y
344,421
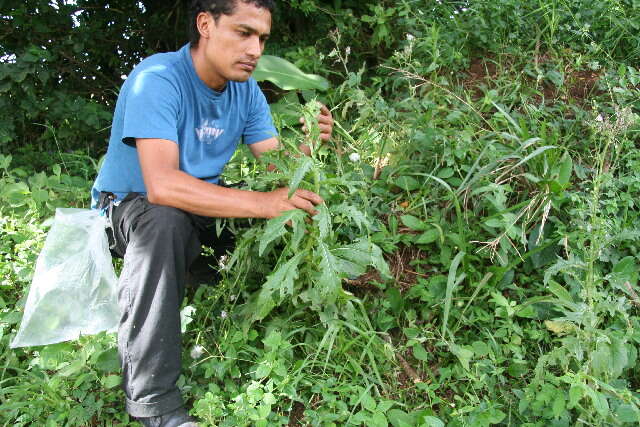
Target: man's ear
x,y
204,23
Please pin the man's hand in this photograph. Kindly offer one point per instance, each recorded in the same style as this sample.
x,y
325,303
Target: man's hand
x,y
325,123
277,202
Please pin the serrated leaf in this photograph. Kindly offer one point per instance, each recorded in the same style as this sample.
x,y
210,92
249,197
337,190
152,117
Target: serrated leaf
x,y
276,227
282,279
323,218
329,280
287,76
354,214
306,163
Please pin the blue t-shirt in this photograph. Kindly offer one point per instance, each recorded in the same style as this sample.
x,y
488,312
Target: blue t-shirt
x,y
163,97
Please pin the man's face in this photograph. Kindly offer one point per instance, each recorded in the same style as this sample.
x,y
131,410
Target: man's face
x,y
235,43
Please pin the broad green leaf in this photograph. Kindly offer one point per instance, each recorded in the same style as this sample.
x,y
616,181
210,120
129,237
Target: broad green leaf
x,y
367,402
111,381
273,340
414,223
445,173
287,76
463,354
576,392
566,166
378,420
420,353
427,237
560,292
619,356
628,413
407,183
431,421
263,370
400,418
108,361
599,401
305,166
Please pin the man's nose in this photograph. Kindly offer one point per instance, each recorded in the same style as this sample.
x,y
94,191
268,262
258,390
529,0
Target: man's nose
x,y
255,47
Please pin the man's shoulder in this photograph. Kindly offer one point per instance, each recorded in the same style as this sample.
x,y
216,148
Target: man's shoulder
x,y
164,64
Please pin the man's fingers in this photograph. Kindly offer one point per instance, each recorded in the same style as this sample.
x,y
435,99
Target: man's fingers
x,y
324,110
309,195
325,128
304,204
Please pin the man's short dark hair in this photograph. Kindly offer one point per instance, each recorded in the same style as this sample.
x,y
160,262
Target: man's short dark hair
x,y
217,8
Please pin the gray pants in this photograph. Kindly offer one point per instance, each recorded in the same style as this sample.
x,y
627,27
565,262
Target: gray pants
x,y
159,244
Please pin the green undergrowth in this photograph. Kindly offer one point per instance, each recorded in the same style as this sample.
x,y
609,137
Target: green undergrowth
x,y
475,262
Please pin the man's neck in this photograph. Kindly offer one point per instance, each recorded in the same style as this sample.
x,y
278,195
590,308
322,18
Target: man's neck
x,y
199,64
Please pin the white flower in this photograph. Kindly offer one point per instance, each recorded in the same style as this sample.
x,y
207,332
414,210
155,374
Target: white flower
x,y
599,118
123,77
410,37
354,157
197,351
224,314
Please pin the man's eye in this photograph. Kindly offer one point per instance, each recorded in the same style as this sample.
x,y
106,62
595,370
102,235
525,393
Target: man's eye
x,y
244,33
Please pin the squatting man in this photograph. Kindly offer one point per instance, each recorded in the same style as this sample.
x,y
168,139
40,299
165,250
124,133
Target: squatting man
x,y
178,120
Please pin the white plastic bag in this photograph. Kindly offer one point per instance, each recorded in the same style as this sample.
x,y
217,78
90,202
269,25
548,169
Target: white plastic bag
x,y
73,291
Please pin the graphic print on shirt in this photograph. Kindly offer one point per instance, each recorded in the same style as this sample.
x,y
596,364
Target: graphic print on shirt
x,y
208,132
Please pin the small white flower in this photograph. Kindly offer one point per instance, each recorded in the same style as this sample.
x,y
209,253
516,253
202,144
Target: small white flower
x,y
348,50
197,351
410,37
354,157
232,298
123,77
599,118
222,262
224,314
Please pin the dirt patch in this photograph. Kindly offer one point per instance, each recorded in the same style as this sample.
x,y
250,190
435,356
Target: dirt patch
x,y
582,84
480,72
404,274
579,85
296,415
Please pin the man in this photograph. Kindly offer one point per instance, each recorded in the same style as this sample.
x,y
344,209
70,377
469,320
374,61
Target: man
x,y
177,122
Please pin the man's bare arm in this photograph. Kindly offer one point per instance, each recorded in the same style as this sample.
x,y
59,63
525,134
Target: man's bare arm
x,y
167,185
